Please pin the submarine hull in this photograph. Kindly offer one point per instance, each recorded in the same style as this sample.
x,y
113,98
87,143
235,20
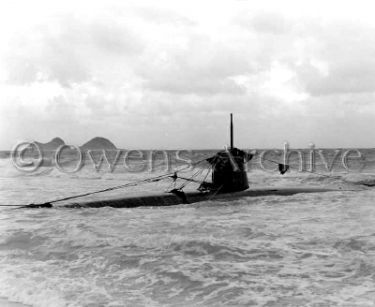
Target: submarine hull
x,y
172,199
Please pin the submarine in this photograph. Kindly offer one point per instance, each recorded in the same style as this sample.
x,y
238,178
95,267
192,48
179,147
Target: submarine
x,y
228,181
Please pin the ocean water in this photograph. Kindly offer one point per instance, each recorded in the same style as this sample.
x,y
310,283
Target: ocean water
x,y
300,250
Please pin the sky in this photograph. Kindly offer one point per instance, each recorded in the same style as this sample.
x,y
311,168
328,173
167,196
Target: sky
x,y
166,74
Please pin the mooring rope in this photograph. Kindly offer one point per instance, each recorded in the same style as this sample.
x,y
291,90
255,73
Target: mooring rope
x,y
49,203
130,184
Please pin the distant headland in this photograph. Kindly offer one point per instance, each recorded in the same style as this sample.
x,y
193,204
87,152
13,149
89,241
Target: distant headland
x,y
96,143
99,143
51,145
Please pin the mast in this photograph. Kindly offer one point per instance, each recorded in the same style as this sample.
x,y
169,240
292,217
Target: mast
x,y
231,131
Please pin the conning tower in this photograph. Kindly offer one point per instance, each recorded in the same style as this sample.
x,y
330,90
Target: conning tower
x,y
229,167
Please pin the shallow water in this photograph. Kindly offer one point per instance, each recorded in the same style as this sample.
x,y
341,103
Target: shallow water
x,y
301,250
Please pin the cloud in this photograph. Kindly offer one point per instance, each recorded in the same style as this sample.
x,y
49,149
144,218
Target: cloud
x,y
265,22
67,50
342,60
162,75
163,16
114,37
